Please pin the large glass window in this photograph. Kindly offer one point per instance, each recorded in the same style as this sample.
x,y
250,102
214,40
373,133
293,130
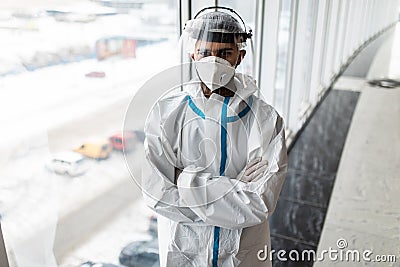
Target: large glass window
x,y
302,63
308,55
198,5
247,10
68,70
283,52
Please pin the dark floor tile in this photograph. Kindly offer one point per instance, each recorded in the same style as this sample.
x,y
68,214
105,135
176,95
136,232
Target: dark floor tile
x,y
296,253
321,162
313,162
297,220
335,110
307,188
319,146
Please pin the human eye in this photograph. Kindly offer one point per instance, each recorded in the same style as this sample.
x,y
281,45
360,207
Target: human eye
x,y
225,53
204,52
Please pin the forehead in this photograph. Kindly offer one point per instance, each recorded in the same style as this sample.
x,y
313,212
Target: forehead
x,y
214,45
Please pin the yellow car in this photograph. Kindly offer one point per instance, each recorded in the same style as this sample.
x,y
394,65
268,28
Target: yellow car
x,y
95,150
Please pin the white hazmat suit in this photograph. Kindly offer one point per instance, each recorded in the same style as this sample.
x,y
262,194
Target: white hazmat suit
x,y
210,216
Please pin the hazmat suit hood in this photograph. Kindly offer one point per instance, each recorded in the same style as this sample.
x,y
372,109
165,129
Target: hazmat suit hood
x,y
245,85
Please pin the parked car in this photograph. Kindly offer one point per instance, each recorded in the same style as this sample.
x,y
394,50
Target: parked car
x,y
96,150
123,140
68,163
126,140
93,264
140,253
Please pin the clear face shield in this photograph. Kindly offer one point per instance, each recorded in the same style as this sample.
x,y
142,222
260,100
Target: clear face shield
x,y
216,43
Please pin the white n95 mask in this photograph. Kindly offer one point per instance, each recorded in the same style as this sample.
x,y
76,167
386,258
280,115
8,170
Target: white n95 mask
x,y
214,72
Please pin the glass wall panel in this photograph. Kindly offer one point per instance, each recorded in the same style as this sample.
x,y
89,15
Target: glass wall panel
x,y
247,10
309,45
68,70
197,5
283,52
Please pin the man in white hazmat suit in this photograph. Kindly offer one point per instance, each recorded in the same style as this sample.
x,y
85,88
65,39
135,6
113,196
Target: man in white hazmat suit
x,y
216,155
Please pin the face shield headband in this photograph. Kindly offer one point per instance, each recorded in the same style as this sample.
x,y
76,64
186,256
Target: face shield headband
x,y
243,35
217,34
219,27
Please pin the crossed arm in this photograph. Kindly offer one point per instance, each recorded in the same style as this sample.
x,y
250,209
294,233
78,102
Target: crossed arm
x,y
253,171
192,195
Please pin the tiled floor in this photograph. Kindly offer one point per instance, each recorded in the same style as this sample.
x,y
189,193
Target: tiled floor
x,y
313,162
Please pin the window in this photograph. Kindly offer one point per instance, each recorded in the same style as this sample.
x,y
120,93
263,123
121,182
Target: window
x,y
283,52
308,56
68,70
247,10
303,51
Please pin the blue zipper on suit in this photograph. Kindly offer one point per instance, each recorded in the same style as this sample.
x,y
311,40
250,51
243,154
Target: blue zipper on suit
x,y
224,122
222,167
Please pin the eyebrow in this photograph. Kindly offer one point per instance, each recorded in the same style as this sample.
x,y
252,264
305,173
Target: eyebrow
x,y
219,50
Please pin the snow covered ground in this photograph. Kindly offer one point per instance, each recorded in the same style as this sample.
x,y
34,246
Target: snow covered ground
x,y
130,225
54,95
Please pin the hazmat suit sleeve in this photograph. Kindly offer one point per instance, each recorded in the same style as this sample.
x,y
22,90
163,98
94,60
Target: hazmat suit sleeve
x,y
159,191
230,203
